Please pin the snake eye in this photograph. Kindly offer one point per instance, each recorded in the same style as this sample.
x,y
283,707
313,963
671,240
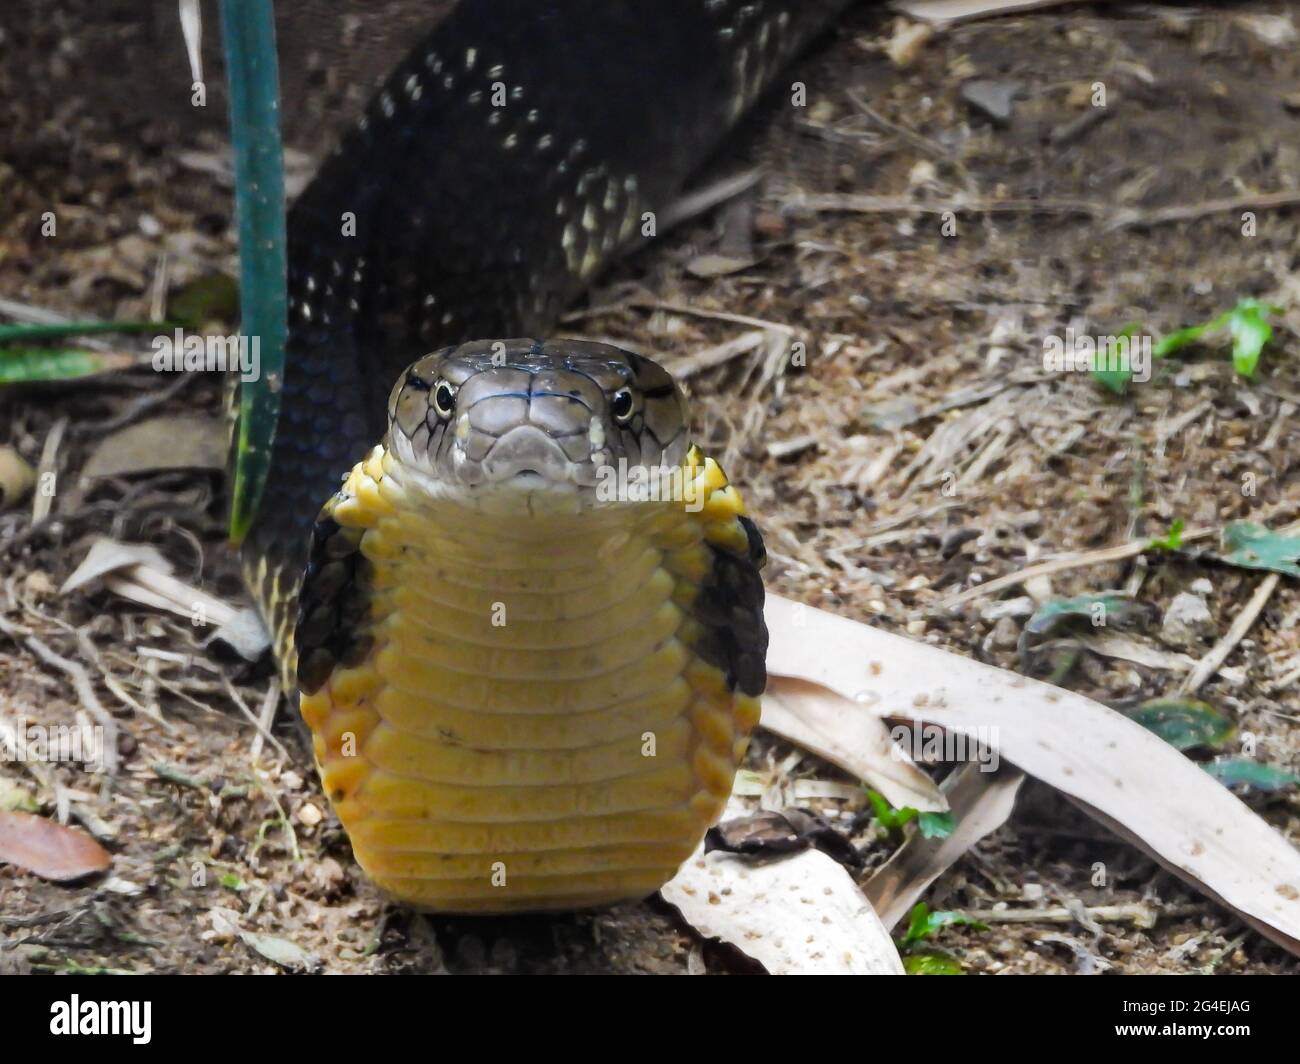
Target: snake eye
x,y
621,406
444,399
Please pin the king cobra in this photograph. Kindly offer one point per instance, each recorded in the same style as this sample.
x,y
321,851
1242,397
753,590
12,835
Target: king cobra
x,y
527,631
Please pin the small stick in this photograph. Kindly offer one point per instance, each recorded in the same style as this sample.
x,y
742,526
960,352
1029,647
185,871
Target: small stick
x,y
1218,654
1059,565
80,680
42,500
1137,913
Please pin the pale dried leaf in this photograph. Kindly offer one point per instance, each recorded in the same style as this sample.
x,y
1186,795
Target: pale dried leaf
x,y
795,915
866,749
1116,769
16,477
160,443
107,556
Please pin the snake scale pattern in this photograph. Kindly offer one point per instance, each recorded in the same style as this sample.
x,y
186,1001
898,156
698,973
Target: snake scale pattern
x,y
522,694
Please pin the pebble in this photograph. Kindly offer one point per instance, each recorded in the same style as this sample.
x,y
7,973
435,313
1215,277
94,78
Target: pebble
x,y
1187,620
993,99
309,815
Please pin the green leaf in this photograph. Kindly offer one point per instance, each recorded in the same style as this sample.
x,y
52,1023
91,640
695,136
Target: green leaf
x,y
1248,326
890,818
1252,775
1117,379
1173,540
1180,338
1253,546
248,33
1250,332
231,881
27,334
1183,723
1104,608
922,923
38,365
932,964
935,825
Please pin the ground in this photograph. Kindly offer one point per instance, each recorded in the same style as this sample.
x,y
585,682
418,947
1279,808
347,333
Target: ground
x,y
914,449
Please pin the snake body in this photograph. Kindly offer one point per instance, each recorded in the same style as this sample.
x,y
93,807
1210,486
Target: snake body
x,y
523,694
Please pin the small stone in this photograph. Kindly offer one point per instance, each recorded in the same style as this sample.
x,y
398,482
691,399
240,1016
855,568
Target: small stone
x,y
309,816
1032,892
1201,586
1016,607
1006,633
1187,621
907,42
993,99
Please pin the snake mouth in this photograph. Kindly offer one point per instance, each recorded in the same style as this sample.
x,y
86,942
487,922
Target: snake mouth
x,y
528,458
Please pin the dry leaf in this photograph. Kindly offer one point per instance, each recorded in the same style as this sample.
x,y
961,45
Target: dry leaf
x,y
980,802
799,915
1117,770
868,751
16,477
944,11
108,555
160,443
51,851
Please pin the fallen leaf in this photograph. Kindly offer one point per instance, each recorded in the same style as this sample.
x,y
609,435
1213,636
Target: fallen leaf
x,y
160,443
107,556
1253,546
981,802
16,477
798,915
869,752
1250,775
49,850
789,831
1184,723
1113,768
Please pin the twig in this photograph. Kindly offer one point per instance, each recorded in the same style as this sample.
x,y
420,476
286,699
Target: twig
x,y
1111,217
1059,565
265,718
1218,654
1142,915
80,680
719,354
705,199
716,315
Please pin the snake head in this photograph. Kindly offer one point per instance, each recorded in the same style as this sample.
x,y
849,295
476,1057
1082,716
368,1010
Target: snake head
x,y
531,416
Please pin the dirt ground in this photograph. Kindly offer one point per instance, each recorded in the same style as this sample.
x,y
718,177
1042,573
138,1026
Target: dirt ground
x,y
922,449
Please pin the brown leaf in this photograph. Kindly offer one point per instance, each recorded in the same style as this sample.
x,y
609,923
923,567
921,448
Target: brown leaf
x,y
16,477
50,850
161,443
789,831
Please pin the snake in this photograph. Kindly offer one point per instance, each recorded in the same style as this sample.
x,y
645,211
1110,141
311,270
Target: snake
x,y
521,610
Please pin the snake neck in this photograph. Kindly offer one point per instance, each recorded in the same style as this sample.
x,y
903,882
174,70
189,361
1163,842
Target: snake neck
x,y
530,707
